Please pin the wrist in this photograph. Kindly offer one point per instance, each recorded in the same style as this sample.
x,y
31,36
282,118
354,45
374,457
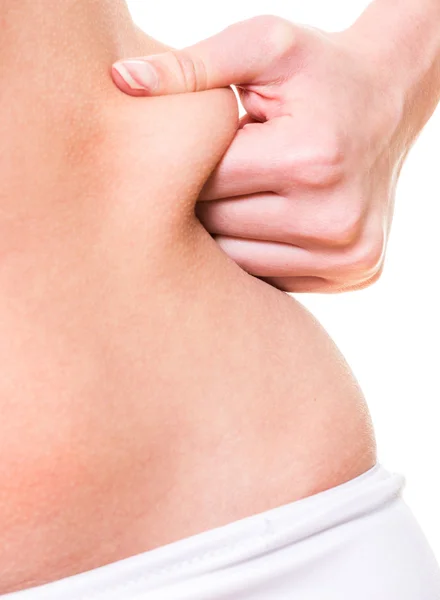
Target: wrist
x,y
399,43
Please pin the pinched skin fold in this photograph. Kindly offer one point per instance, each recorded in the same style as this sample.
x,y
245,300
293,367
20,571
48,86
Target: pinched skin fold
x,y
149,388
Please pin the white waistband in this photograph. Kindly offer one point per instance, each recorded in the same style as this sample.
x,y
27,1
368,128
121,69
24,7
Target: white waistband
x,y
220,548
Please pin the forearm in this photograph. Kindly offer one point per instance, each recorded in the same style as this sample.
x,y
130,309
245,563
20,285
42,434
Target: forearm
x,y
402,40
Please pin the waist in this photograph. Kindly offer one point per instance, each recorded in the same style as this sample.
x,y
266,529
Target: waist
x,y
71,507
277,552
133,441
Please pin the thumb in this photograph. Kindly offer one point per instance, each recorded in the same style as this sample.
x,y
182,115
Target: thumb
x,y
244,53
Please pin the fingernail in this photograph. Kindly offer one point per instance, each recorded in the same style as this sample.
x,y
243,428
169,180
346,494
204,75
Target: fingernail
x,y
138,74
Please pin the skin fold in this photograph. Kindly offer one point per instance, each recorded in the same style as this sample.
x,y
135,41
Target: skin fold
x,y
150,389
304,196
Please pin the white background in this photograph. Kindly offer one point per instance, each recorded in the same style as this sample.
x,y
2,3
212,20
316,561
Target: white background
x,y
389,333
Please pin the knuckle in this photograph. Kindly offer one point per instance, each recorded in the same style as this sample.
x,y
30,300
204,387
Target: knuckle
x,y
190,70
332,153
361,281
366,257
322,163
343,230
277,34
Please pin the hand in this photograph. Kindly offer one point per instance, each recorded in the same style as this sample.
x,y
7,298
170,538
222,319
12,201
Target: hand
x,y
304,196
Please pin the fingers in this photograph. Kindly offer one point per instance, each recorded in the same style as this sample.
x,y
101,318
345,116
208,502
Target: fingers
x,y
253,217
256,161
353,267
321,285
301,221
270,259
246,52
295,269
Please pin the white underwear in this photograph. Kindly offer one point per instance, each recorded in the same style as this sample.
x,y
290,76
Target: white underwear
x,y
357,541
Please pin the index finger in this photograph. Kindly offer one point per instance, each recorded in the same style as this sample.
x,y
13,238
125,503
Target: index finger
x,y
256,161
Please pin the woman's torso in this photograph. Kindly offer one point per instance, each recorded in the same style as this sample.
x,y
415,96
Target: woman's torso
x,y
149,389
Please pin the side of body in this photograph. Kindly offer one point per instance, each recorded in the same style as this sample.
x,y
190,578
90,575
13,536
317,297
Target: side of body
x,y
150,389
